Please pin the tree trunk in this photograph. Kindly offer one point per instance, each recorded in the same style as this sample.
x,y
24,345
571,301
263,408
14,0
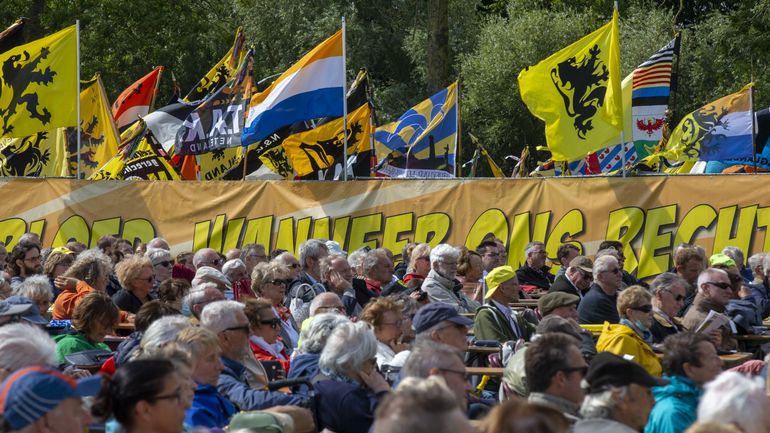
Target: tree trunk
x,y
437,53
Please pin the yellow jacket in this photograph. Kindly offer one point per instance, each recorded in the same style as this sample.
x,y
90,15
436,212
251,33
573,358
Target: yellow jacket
x,y
622,340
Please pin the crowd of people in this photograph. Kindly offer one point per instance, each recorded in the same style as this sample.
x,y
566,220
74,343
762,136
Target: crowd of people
x,y
265,341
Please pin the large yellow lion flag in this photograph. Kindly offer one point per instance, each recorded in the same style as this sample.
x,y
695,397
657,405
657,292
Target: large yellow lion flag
x,y
576,91
38,85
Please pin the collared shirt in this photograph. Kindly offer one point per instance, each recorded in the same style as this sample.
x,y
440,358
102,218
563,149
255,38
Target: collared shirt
x,y
571,410
508,312
577,289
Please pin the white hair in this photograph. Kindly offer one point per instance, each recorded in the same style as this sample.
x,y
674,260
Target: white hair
x,y
734,253
314,337
604,263
531,246
197,295
348,347
206,274
23,345
601,404
607,252
220,315
162,332
35,287
232,266
733,398
443,251
311,249
356,259
706,275
318,301
156,253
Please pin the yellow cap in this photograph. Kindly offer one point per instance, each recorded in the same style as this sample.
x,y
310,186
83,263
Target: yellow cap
x,y
498,276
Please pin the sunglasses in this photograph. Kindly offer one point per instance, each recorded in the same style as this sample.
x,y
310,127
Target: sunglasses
x,y
165,263
273,323
244,328
723,286
677,297
215,262
614,271
280,282
644,308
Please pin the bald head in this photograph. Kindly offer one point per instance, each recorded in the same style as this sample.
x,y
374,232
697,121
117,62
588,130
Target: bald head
x,y
326,302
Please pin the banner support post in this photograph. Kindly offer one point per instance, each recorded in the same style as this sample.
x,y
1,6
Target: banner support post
x,y
344,106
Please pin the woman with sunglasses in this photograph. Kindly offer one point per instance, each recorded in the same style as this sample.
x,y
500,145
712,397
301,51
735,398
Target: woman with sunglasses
x,y
669,291
270,280
632,336
137,277
146,395
162,264
264,329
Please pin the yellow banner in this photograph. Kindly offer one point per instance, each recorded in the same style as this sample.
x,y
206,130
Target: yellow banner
x,y
648,215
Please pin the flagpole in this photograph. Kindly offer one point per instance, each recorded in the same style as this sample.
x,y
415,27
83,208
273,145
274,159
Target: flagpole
x,y
344,106
77,94
457,127
753,124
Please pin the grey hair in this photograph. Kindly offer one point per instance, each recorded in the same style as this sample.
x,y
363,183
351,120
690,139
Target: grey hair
x,y
310,249
530,246
197,294
733,398
349,347
734,253
220,315
666,280
314,337
162,332
199,255
705,276
232,265
23,345
415,401
428,355
443,251
757,260
604,263
156,253
35,287
606,252
208,274
154,241
601,404
371,259
316,303
356,259
420,250
765,261
325,265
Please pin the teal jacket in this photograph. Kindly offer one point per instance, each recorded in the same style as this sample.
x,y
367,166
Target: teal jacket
x,y
676,406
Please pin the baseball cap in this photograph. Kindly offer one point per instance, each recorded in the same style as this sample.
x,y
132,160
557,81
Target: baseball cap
x,y
721,259
554,300
608,369
31,314
435,313
32,392
583,263
497,276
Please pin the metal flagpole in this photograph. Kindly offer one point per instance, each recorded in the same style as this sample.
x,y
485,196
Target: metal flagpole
x,y
458,130
753,125
344,106
77,94
622,128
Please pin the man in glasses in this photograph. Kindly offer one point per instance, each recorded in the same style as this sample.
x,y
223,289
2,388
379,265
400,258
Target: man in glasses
x,y
24,261
207,257
534,272
599,305
555,368
577,278
308,284
714,293
669,291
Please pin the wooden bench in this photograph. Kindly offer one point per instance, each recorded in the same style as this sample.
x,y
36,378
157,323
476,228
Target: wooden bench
x,y
731,360
484,371
482,349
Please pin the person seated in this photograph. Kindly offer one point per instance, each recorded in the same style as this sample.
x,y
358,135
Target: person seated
x,y
496,320
631,338
737,400
351,387
23,345
534,273
419,263
89,273
38,289
599,304
513,416
94,317
441,285
669,291
384,314
576,279
714,293
137,278
56,264
305,361
264,326
470,269
269,281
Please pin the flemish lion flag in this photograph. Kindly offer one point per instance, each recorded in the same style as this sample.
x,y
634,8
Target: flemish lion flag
x,y
38,85
576,91
318,148
99,140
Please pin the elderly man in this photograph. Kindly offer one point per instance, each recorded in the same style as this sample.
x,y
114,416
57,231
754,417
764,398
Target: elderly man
x,y
23,345
43,400
565,254
628,279
564,305
441,285
755,263
534,272
207,257
555,368
577,278
618,397
429,358
252,255
337,276
689,361
669,291
25,260
714,293
308,284
228,321
200,296
159,243
599,305
495,320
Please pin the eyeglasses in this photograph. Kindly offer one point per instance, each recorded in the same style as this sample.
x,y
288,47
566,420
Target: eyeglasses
x,y
676,297
215,262
423,258
644,308
244,328
177,395
397,323
165,263
587,275
280,282
451,370
723,286
256,256
449,263
538,252
581,370
273,323
492,254
614,271
332,308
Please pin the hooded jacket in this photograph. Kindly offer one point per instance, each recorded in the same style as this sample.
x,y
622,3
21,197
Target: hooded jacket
x,y
622,340
676,406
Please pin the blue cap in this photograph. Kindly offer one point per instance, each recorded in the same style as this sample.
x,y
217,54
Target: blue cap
x,y
435,313
32,314
32,392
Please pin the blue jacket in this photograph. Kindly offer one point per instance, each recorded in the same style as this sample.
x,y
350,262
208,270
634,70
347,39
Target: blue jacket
x,y
304,364
597,307
209,408
676,406
232,384
345,407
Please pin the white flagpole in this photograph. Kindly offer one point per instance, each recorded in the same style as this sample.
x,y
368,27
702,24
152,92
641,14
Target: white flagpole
x,y
77,94
458,131
344,106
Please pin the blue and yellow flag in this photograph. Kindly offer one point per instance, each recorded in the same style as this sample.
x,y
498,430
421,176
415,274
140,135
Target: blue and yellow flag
x,y
38,85
423,141
577,92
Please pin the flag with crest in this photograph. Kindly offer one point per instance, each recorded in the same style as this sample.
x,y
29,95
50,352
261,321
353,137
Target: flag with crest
x,y
39,155
576,91
136,101
99,140
38,85
142,159
222,72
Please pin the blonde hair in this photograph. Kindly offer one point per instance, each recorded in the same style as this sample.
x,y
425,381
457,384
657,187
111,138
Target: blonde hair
x,y
633,296
197,340
265,271
375,310
130,268
420,250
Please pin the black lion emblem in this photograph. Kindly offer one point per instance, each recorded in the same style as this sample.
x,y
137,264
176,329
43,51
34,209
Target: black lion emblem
x,y
23,157
582,85
18,73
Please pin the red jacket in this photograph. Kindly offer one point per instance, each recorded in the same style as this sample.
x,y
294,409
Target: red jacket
x,y
263,355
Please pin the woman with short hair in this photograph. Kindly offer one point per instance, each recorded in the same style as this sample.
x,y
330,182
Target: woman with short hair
x,y
137,276
37,289
270,280
264,330
384,314
162,264
89,273
94,318
56,264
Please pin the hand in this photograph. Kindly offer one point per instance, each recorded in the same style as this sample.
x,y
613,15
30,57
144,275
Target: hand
x,y
716,338
76,373
303,418
65,283
338,282
374,381
399,347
